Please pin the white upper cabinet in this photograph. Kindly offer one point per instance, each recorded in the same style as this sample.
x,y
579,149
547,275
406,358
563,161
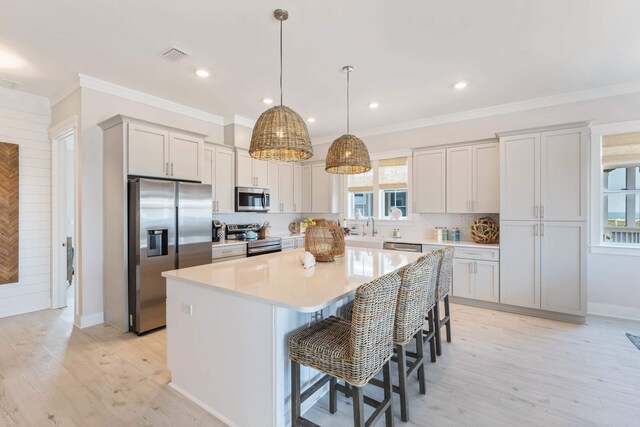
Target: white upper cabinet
x,y
148,151
325,190
286,187
273,176
218,170
563,265
544,176
306,188
520,263
473,178
429,182
486,178
251,172
185,157
459,179
297,188
160,153
563,175
519,165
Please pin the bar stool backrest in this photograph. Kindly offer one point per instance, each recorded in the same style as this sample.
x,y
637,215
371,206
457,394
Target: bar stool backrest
x,y
416,295
445,274
371,341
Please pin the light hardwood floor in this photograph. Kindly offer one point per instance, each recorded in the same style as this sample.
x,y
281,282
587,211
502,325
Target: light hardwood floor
x,y
500,370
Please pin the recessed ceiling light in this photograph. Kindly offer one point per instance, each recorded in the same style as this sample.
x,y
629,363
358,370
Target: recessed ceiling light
x,y
460,85
201,72
373,105
267,100
311,119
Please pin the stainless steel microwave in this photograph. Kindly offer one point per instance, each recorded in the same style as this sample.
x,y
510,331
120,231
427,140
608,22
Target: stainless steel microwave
x,y
250,199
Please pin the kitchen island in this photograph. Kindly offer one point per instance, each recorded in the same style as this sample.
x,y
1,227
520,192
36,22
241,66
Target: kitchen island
x,y
228,324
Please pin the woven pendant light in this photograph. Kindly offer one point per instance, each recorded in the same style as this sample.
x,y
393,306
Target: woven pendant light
x,y
280,134
348,155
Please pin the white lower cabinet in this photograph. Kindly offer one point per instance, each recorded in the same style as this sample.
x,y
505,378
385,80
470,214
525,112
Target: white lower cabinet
x,y
476,278
543,265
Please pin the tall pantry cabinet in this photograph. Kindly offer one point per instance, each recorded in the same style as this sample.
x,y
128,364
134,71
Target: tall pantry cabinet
x,y
543,198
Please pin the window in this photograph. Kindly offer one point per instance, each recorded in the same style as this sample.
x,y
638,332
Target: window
x,y
621,189
377,192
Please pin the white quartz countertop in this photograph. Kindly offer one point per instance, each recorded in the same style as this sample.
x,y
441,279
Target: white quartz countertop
x,y
281,280
228,243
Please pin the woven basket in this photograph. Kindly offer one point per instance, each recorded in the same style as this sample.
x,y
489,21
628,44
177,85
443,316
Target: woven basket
x,y
325,242
485,230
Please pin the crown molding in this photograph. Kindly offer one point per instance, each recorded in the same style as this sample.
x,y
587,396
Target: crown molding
x,y
496,110
239,120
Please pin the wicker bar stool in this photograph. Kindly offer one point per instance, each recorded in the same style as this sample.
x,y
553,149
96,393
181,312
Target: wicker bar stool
x,y
351,351
445,278
416,296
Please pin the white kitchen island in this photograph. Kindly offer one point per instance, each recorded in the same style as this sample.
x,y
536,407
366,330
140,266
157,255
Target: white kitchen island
x,y
228,324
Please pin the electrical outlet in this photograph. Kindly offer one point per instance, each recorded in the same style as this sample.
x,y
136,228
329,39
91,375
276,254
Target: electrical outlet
x,y
187,309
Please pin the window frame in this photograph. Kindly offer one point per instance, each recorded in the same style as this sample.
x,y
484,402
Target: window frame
x,y
597,243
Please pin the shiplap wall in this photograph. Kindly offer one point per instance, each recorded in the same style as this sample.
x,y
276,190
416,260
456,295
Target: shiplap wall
x,y
25,120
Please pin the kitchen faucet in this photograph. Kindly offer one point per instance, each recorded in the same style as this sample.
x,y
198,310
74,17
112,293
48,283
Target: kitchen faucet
x,y
373,228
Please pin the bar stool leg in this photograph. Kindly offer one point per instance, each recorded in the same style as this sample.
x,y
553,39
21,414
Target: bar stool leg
x,y
333,396
295,393
447,314
358,407
436,320
402,377
432,334
420,353
388,393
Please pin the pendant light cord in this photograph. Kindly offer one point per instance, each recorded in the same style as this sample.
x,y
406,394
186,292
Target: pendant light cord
x,y
281,63
348,72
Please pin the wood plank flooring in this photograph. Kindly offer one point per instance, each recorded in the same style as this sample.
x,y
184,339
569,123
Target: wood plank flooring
x,y
500,370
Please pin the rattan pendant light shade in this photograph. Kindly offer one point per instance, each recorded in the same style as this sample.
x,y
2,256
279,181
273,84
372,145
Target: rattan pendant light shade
x,y
280,134
348,155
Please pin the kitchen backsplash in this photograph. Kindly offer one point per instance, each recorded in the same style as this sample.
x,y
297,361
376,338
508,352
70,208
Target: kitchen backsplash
x,y
420,226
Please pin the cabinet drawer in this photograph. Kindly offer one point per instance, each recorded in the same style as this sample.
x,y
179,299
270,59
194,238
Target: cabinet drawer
x,y
288,244
478,254
228,251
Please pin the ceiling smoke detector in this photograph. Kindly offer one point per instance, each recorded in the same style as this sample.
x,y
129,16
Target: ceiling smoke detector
x,y
8,84
173,54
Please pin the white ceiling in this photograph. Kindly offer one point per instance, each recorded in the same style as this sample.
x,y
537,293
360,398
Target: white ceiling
x,y
406,54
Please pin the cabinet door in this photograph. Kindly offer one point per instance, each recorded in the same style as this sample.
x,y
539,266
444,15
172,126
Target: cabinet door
x,y
486,178
224,180
306,189
273,177
563,175
208,166
185,157
486,283
244,169
261,174
429,182
519,177
520,263
297,188
323,196
563,253
459,177
148,151
286,187
462,278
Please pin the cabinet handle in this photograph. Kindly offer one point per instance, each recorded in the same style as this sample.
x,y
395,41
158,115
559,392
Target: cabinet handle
x,y
542,211
535,229
535,211
171,168
217,206
542,230
166,172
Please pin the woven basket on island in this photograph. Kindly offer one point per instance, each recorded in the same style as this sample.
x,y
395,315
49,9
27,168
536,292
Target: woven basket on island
x,y
325,241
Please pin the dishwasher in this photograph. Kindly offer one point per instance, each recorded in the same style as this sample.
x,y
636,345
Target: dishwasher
x,y
406,247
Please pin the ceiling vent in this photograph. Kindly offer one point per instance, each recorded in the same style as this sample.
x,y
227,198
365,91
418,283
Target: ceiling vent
x,y
9,84
173,54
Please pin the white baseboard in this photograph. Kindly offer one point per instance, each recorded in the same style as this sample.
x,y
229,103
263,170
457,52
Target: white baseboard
x,y
614,311
89,320
203,405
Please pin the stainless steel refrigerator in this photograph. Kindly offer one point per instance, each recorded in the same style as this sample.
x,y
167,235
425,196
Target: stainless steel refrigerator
x,y
169,228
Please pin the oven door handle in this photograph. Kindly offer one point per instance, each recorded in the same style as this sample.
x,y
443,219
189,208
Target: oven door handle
x,y
264,249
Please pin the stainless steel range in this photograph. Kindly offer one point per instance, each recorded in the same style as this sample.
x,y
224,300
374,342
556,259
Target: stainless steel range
x,y
255,244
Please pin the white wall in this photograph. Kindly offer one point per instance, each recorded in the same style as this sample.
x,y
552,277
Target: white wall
x,y
25,120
